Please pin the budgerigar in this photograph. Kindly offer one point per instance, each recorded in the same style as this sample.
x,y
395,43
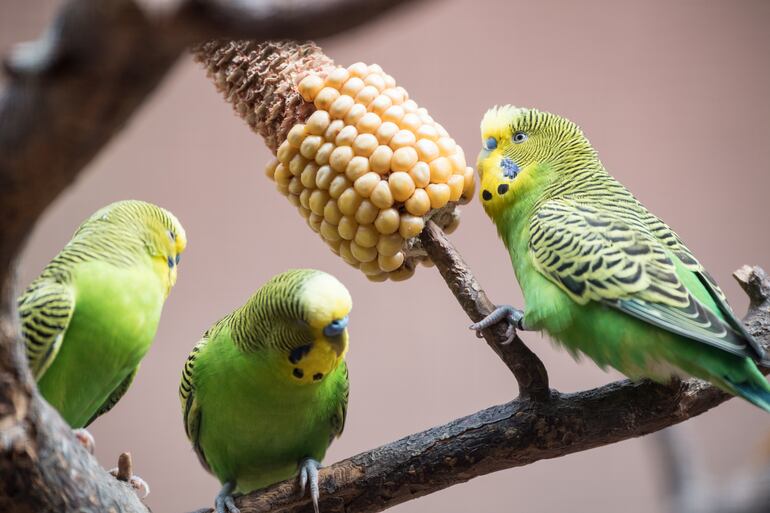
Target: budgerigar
x,y
599,273
90,317
265,391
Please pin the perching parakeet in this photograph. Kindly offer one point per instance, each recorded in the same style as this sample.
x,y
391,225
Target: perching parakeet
x,y
601,274
265,391
90,317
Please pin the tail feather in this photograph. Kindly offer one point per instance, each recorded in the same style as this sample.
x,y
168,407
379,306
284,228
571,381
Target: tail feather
x,y
755,393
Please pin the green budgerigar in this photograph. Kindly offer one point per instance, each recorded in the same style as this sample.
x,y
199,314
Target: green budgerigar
x,y
265,391
90,317
599,273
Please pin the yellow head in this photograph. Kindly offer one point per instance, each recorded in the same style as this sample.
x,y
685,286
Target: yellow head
x,y
140,225
327,304
523,152
302,315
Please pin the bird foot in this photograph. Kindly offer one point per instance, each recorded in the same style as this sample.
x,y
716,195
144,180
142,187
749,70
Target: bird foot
x,y
139,485
308,473
86,439
513,317
225,503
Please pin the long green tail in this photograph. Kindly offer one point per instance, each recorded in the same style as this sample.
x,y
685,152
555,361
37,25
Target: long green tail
x,y
754,393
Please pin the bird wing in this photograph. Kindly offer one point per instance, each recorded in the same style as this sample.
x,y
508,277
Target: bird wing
x,y
115,396
673,243
190,408
595,255
45,310
341,412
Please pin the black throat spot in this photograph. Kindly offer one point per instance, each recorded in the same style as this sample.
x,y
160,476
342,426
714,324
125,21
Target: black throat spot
x,y
486,195
299,353
502,188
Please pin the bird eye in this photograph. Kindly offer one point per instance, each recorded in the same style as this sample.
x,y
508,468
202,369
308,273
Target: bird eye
x,y
171,235
490,144
170,262
520,137
178,258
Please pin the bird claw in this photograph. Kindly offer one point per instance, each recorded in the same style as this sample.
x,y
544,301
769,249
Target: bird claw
x,y
513,317
86,439
225,503
308,473
139,485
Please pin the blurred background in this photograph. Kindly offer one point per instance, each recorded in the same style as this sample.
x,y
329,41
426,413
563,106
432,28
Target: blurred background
x,y
672,94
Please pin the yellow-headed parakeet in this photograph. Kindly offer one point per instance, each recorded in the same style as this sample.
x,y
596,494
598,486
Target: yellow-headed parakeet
x,y
601,274
90,317
265,391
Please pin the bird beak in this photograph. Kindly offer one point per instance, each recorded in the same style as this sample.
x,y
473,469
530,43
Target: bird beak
x,y
337,336
336,327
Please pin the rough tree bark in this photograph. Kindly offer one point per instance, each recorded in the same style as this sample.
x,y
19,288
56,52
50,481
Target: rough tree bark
x,y
514,434
65,96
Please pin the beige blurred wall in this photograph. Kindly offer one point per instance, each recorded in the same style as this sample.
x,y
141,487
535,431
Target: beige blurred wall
x,y
673,94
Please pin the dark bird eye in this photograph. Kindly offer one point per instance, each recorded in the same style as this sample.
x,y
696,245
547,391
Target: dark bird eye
x,y
170,262
520,137
490,144
178,258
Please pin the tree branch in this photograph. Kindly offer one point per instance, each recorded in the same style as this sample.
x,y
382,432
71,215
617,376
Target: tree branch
x,y
65,96
529,371
515,434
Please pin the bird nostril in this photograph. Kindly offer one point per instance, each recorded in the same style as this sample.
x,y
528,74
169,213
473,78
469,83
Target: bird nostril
x,y
486,195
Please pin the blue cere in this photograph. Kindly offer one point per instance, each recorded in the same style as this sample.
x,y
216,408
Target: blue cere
x,y
490,144
335,327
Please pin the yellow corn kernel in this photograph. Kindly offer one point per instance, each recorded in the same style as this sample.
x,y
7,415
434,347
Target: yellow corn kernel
x,y
387,221
438,193
310,86
410,226
367,212
347,228
361,253
390,263
325,98
356,168
365,184
419,203
317,123
381,196
349,201
401,185
366,236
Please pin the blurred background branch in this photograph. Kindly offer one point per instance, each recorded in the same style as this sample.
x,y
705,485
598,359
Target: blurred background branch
x,y
688,488
64,97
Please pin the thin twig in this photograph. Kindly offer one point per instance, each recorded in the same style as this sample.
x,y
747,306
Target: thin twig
x,y
125,467
529,371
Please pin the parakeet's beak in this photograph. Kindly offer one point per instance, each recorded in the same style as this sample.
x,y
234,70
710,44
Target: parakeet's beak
x,y
336,327
332,332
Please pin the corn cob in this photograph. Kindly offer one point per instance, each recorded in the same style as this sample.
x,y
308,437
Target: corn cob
x,y
361,161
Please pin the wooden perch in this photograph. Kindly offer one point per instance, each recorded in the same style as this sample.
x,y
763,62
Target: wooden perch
x,y
514,434
64,97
